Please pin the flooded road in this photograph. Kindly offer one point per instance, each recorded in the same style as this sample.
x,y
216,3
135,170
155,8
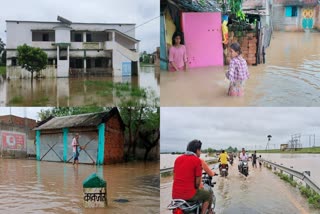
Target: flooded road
x,y
28,186
77,91
260,192
290,77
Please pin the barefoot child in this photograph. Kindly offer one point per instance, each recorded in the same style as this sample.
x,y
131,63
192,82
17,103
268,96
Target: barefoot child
x,y
237,72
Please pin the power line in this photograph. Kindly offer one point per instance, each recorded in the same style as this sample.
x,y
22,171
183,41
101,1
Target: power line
x,y
142,24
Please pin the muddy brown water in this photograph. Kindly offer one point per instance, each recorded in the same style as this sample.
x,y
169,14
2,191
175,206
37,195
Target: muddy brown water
x,y
29,186
72,91
260,192
290,77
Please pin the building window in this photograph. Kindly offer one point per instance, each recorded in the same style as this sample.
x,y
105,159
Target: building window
x,y
98,63
14,61
78,37
291,11
45,37
89,37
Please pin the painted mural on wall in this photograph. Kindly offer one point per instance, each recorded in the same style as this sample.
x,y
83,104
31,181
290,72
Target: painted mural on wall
x,y
307,18
13,141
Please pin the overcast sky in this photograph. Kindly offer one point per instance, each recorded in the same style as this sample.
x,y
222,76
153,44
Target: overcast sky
x,y
30,112
101,11
220,128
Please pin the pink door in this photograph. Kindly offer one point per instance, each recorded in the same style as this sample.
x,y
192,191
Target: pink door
x,y
203,39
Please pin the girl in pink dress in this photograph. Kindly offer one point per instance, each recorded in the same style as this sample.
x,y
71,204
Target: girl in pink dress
x,y
177,53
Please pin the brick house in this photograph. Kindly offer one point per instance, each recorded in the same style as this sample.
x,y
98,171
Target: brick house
x,y
102,134
17,136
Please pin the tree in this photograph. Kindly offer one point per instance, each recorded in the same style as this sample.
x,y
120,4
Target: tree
x,y
32,59
210,150
3,60
2,45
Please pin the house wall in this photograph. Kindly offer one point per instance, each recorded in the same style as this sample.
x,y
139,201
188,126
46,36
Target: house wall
x,y
20,126
114,141
124,41
19,33
55,141
317,17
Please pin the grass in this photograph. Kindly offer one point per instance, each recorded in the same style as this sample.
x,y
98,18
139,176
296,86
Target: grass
x,y
41,102
315,150
142,64
166,174
16,100
312,196
2,70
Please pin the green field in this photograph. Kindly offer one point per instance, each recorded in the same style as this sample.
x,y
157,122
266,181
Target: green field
x,y
2,70
303,150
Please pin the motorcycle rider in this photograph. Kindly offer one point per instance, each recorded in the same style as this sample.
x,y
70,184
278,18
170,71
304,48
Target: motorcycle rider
x,y
223,159
242,157
231,158
187,174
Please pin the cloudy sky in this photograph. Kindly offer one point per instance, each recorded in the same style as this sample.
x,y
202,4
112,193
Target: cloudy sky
x,y
29,112
101,11
237,127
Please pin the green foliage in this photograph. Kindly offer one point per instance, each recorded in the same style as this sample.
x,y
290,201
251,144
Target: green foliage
x,y
2,45
66,111
166,174
32,59
313,197
2,70
16,100
3,60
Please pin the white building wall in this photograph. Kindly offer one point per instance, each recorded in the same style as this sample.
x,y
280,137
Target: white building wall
x,y
62,34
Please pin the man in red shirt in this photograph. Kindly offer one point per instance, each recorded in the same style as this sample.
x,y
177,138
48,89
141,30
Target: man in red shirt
x,y
187,173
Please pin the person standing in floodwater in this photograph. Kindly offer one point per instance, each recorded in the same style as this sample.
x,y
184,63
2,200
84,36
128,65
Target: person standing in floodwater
x,y
254,159
177,53
75,148
237,72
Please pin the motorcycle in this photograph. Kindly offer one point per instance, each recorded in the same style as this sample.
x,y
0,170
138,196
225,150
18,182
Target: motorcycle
x,y
244,168
180,206
224,170
231,161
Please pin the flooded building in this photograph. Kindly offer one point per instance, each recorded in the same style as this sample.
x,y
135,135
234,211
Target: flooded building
x,y
73,48
295,15
102,135
17,136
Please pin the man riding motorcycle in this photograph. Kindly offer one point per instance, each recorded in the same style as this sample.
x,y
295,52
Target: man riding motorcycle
x,y
223,159
242,157
187,175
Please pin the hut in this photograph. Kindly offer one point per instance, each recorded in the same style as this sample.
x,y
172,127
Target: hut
x,y
101,133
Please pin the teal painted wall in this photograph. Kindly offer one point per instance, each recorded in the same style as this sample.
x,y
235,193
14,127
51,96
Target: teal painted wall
x,y
65,144
100,158
38,144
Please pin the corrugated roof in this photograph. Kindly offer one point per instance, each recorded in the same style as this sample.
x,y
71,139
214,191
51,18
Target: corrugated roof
x,y
194,6
81,120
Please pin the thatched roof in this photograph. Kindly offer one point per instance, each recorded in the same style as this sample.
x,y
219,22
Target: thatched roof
x,y
81,120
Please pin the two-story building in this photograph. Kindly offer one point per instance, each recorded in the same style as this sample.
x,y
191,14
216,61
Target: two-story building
x,y
74,48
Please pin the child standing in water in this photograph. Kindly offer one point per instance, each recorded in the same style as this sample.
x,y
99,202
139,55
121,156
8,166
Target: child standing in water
x,y
177,53
237,72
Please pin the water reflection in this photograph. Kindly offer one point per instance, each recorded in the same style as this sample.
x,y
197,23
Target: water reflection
x,y
47,187
290,78
72,91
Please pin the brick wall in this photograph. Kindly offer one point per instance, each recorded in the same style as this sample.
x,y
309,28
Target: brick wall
x,y
114,141
19,121
248,43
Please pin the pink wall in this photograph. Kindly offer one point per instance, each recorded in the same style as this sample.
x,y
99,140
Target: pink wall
x,y
203,39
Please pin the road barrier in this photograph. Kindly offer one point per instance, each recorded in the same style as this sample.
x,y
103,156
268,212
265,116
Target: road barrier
x,y
303,176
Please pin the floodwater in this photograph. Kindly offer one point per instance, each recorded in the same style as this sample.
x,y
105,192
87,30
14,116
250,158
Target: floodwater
x,y
75,91
260,192
29,186
299,162
167,160
290,77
